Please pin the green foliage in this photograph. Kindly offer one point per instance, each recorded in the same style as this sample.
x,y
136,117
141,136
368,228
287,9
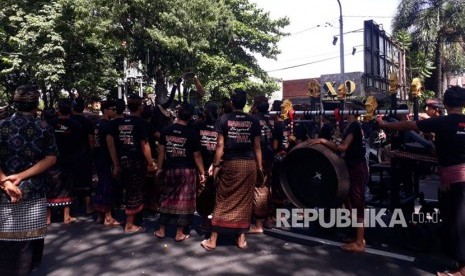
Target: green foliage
x,y
427,94
437,31
83,44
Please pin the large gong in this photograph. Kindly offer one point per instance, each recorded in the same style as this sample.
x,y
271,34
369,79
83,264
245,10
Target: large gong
x,y
314,176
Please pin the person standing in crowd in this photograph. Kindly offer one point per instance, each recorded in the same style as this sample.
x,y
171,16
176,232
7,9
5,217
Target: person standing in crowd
x,y
208,139
327,130
262,193
353,150
84,161
27,149
281,145
107,165
62,180
118,189
178,156
152,185
434,108
135,160
450,149
225,106
239,147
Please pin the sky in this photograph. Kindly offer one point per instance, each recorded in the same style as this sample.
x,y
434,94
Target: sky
x,y
313,24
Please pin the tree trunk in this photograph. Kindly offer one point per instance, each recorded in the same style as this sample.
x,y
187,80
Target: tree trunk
x,y
438,64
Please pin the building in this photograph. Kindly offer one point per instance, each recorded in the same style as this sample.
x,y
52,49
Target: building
x,y
296,90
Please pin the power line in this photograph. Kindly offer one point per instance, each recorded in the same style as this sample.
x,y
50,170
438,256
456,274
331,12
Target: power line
x,y
308,63
325,25
367,16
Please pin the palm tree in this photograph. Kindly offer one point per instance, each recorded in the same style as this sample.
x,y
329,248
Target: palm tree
x,y
436,26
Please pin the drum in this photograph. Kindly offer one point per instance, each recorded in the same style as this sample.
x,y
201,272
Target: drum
x,y
314,176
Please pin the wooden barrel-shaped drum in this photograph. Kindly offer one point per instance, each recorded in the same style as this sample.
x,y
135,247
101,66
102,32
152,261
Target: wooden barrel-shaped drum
x,y
314,176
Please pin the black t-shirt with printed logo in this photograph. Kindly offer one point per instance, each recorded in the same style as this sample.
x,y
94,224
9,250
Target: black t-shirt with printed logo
x,y
355,153
208,141
239,130
131,130
450,137
266,137
180,143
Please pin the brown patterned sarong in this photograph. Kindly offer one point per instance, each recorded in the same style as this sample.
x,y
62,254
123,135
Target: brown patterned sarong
x,y
234,196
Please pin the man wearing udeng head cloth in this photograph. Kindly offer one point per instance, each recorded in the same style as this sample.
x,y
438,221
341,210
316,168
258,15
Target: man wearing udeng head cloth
x,y
450,149
27,149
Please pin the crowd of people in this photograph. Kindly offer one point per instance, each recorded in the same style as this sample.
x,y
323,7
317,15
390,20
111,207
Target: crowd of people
x,y
222,162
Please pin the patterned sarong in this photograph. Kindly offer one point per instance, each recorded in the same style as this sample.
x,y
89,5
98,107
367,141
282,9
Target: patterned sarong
x,y
178,197
59,187
234,196
24,220
133,173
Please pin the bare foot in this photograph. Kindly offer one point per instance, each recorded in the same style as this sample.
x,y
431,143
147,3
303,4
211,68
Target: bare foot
x,y
181,238
70,220
241,243
111,222
353,247
134,229
159,234
255,230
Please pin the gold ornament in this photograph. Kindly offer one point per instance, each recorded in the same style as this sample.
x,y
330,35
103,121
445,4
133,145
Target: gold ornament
x,y
341,92
393,83
286,106
313,88
416,88
370,105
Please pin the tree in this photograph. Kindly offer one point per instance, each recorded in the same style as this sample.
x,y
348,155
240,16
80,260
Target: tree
x,y
435,25
83,44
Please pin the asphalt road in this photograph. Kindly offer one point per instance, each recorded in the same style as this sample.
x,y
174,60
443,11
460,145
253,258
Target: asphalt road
x,y
86,248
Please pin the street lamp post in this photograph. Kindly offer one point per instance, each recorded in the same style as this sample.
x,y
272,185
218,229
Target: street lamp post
x,y
341,52
341,43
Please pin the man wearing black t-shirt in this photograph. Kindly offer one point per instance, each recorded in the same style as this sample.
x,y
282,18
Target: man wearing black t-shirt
x,y
135,160
61,185
450,150
106,163
83,175
262,193
239,147
178,157
208,139
353,150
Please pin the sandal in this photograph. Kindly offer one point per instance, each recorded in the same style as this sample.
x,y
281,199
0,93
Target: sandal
x,y
70,220
352,247
184,237
137,230
112,223
157,234
206,247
